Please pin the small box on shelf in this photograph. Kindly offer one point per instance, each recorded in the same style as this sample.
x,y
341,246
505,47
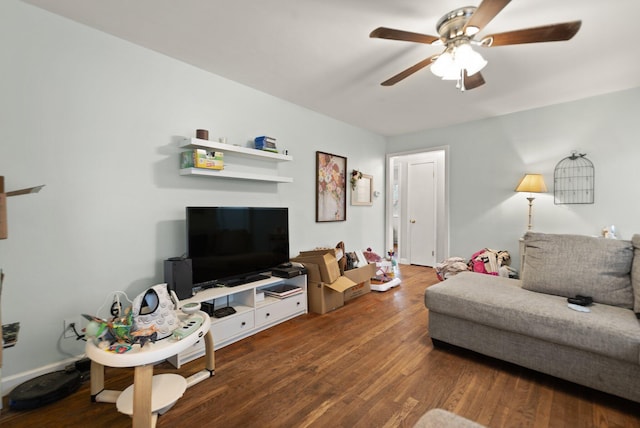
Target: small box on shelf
x,y
201,158
266,143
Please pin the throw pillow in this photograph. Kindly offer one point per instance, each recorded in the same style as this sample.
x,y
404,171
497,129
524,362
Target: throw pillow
x,y
570,265
635,273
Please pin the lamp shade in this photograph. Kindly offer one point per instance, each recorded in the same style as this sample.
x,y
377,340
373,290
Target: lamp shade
x,y
449,64
443,64
469,59
532,183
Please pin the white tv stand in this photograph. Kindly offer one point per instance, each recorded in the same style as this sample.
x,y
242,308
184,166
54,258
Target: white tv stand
x,y
252,315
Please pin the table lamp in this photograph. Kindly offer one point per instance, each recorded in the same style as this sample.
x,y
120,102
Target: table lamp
x,y
531,183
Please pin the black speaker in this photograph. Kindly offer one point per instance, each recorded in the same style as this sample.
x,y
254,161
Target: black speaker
x,y
178,276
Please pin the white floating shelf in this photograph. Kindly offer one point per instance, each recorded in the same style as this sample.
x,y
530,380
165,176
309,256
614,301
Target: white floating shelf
x,y
236,175
196,143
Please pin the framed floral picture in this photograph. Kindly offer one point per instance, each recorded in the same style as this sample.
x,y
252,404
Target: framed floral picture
x,y
331,187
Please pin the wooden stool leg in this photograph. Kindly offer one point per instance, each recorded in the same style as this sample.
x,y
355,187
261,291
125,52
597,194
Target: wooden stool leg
x,y
209,352
97,379
143,377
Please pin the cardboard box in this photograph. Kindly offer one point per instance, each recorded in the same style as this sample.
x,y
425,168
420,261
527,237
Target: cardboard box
x,y
201,158
320,252
323,297
362,277
327,263
338,253
357,291
313,272
361,274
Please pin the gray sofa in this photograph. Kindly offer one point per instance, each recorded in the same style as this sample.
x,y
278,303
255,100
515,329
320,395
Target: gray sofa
x,y
528,322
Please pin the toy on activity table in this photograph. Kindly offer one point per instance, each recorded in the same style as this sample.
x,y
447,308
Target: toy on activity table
x,y
151,316
118,329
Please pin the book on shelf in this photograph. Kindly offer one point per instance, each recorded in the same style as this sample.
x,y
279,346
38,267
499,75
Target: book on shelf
x,y
281,290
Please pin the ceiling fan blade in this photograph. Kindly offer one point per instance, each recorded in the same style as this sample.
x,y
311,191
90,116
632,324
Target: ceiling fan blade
x,y
472,82
405,36
487,10
546,33
409,71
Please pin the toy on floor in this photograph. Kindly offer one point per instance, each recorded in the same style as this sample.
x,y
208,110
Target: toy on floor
x,y
385,286
386,270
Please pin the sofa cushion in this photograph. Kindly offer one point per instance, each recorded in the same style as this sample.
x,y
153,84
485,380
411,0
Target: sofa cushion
x,y
570,265
635,273
503,304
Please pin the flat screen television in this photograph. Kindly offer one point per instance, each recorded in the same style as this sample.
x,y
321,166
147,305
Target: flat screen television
x,y
234,245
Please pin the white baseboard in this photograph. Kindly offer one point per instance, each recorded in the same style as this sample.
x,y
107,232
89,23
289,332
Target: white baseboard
x,y
10,382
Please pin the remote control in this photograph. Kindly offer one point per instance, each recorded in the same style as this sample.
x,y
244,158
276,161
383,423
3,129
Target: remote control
x,y
587,299
580,300
578,308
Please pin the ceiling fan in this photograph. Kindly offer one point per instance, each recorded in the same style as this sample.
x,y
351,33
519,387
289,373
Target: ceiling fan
x,y
457,30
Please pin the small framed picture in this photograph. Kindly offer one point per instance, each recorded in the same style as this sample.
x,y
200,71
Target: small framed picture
x,y
362,191
331,187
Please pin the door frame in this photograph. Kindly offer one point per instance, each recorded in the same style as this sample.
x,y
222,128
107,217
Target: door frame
x,y
441,156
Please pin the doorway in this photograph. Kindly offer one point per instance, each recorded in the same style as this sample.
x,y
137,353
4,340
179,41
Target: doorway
x,y
417,211
421,213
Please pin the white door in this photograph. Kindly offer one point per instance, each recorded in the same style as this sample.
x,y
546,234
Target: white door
x,y
421,210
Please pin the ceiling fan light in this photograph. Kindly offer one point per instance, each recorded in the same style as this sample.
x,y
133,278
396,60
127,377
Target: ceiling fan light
x,y
453,73
476,66
470,60
443,64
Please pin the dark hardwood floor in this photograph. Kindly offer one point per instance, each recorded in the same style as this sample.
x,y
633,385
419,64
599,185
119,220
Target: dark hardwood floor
x,y
368,364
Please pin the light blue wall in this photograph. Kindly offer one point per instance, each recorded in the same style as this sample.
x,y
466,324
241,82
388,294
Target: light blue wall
x,y
488,158
95,119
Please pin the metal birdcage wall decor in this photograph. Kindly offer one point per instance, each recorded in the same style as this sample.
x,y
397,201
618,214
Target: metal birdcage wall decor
x,y
574,180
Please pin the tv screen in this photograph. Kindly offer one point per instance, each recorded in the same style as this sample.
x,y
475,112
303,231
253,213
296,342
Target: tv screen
x,y
230,245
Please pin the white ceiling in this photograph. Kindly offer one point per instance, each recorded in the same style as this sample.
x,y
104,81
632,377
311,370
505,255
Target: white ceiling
x,y
318,54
